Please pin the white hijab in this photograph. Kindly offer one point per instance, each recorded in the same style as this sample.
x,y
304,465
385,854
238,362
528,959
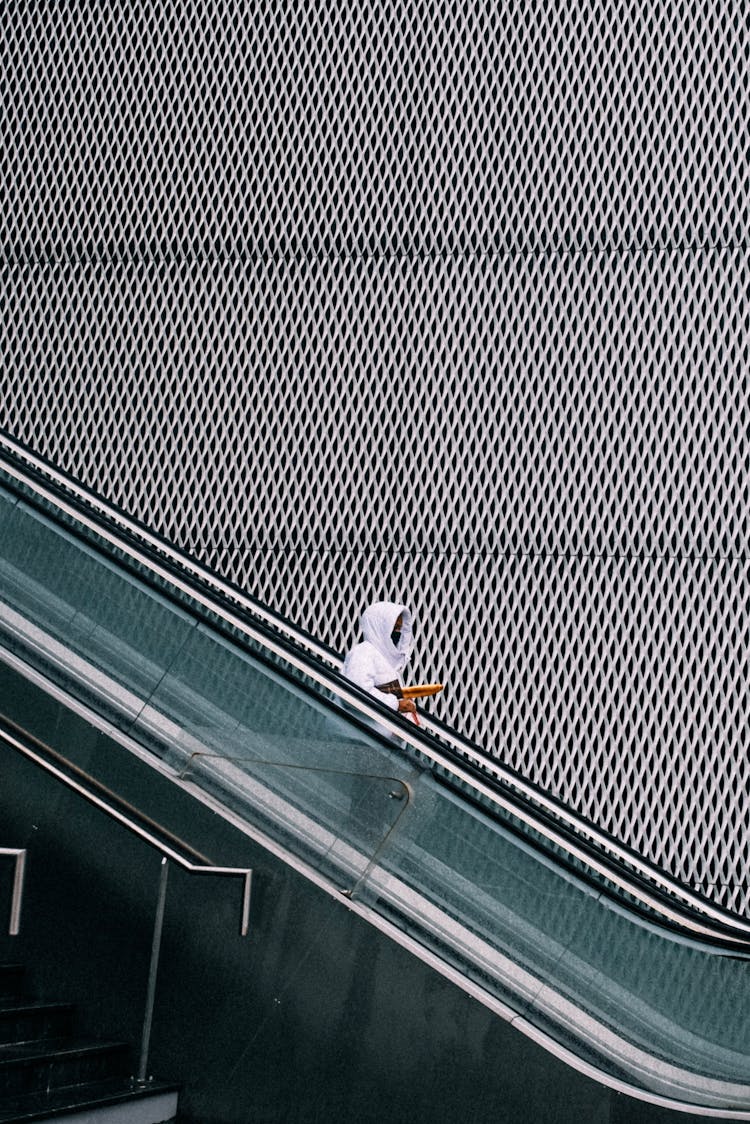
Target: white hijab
x,y
377,623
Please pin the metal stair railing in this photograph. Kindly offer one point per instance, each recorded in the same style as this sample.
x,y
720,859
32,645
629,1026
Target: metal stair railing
x,y
40,756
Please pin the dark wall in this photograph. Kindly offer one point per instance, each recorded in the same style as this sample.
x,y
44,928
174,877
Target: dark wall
x,y
314,1016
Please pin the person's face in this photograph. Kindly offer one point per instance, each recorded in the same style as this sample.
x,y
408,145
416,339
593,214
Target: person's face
x,y
396,634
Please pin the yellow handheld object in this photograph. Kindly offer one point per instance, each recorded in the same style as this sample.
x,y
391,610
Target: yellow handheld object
x,y
421,690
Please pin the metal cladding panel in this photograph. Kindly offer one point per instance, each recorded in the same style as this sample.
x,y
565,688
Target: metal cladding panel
x,y
441,302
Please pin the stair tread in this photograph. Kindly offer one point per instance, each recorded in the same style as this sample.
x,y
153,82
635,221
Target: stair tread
x,y
31,1020
12,1052
39,1106
12,975
19,1005
62,1060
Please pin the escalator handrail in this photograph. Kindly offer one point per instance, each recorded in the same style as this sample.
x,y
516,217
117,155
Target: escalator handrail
x,y
128,535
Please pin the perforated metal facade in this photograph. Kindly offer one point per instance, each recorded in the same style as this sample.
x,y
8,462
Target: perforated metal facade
x,y
446,302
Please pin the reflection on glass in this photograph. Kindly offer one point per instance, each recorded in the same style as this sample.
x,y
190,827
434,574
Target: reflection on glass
x,y
57,592
242,729
487,892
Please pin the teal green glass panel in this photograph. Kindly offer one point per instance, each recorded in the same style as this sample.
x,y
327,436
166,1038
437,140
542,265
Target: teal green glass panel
x,y
663,994
263,737
239,728
74,597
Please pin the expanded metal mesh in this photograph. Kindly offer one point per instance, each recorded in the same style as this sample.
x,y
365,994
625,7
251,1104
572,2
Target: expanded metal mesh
x,y
439,302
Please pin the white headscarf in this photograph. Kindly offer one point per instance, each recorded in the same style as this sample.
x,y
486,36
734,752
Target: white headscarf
x,y
378,622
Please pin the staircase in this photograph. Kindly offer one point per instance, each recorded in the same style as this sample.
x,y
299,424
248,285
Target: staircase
x,y
47,1073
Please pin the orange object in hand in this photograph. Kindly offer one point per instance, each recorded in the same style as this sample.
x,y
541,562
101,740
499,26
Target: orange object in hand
x,y
421,690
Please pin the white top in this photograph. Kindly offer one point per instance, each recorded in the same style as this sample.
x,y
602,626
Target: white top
x,y
377,660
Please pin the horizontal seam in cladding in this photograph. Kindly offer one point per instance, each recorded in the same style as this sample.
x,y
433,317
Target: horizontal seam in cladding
x,y
559,555
366,256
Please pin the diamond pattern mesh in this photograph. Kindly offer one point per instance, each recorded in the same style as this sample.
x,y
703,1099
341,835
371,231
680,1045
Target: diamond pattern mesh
x,y
445,302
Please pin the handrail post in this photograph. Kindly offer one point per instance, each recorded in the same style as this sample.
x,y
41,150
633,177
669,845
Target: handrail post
x,y
17,898
19,854
246,891
152,971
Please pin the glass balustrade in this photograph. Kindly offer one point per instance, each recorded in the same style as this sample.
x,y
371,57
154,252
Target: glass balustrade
x,y
567,953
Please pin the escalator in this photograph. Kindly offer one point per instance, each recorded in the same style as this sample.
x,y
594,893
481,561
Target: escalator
x,y
624,974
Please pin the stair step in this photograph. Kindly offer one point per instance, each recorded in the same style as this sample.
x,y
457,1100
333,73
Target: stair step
x,y
110,1102
46,1075
30,1021
12,981
38,1066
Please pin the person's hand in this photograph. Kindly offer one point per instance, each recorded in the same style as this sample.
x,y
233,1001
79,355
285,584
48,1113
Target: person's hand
x,y
407,706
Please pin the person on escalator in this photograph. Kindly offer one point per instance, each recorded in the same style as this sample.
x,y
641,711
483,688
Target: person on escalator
x,y
377,662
